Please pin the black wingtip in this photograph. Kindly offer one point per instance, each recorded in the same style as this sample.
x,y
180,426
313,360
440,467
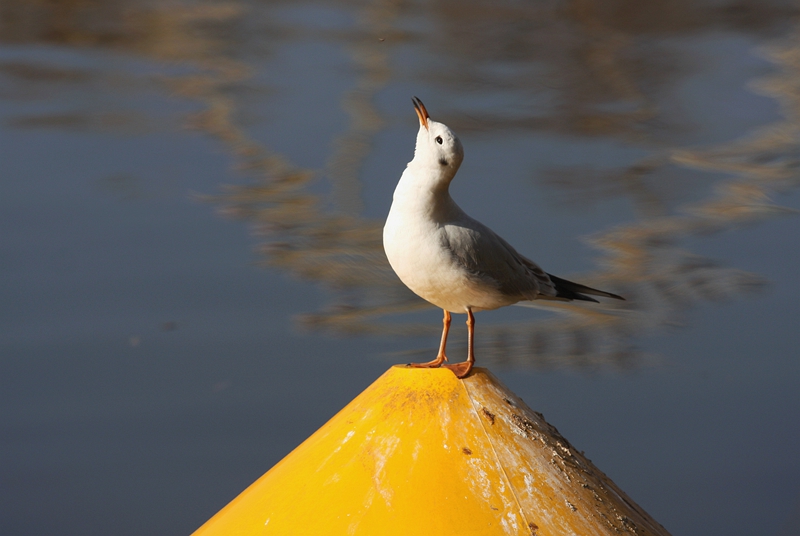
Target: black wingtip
x,y
576,291
575,296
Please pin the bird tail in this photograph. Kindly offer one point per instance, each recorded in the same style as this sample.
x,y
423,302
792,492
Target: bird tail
x,y
575,291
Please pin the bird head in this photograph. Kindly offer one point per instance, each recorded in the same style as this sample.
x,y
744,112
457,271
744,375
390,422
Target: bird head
x,y
439,151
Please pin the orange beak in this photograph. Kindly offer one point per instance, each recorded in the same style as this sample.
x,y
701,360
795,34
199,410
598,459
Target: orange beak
x,y
422,113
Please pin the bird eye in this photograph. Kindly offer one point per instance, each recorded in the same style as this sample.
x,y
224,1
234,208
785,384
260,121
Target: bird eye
x,y
439,140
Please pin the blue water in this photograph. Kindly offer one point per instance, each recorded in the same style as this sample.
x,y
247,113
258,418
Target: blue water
x,y
190,265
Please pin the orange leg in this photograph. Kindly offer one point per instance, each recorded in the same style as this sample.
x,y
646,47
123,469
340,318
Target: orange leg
x,y
440,357
462,369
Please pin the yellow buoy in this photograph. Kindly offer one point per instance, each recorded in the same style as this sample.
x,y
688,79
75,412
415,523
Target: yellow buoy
x,y
421,452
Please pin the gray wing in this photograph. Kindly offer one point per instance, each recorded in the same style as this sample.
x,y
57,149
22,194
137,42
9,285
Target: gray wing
x,y
493,261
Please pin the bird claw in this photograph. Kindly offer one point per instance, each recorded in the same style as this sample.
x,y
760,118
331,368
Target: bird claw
x,y
461,370
430,364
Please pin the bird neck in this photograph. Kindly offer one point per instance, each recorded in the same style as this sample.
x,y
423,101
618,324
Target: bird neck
x,y
417,192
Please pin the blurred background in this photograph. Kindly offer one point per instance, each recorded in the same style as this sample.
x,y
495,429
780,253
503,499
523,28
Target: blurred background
x,y
192,279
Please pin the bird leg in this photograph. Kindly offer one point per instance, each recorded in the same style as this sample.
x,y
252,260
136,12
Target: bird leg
x,y
462,369
440,357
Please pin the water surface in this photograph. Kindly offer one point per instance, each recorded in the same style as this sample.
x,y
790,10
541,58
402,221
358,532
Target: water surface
x,y
193,281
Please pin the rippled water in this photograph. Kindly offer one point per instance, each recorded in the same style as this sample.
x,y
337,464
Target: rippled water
x,y
193,280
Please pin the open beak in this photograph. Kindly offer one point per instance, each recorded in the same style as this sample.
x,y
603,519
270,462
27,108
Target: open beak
x,y
422,113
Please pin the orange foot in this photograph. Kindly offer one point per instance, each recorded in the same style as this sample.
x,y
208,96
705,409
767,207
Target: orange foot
x,y
461,370
430,364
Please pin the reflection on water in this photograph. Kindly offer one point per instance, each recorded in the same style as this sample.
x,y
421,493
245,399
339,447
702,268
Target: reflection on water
x,y
642,260
581,68
564,73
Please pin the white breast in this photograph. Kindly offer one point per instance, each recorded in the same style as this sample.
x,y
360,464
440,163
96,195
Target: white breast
x,y
414,245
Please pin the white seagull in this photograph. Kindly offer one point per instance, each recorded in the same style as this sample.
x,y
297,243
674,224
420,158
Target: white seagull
x,y
451,260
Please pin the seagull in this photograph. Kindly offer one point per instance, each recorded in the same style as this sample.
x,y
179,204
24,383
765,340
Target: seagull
x,y
450,259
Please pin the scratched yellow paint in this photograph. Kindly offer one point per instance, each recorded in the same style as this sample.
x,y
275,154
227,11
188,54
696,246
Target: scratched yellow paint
x,y
420,452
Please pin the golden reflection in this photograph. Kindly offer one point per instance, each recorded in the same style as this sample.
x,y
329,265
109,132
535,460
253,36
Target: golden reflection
x,y
371,61
579,58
